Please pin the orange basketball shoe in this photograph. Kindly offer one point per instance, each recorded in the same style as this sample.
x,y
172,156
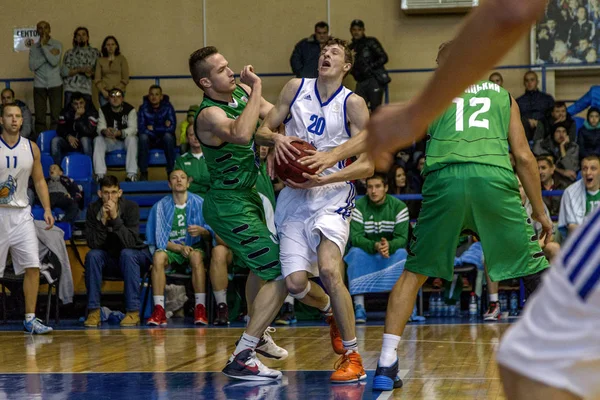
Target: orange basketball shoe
x,y
349,368
336,337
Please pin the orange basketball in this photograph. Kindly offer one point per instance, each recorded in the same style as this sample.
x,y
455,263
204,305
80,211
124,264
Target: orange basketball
x,y
293,169
4,191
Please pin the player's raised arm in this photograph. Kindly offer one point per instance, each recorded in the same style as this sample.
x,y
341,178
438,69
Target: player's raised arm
x,y
487,35
266,134
240,130
527,169
358,116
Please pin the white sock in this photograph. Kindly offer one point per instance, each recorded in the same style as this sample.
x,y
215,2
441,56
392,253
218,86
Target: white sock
x,y
289,299
159,301
350,345
494,297
246,342
389,350
29,317
327,309
200,298
221,296
359,300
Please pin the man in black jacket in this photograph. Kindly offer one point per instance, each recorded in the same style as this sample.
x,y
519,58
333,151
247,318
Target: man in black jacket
x,y
371,77
305,57
533,104
76,128
112,231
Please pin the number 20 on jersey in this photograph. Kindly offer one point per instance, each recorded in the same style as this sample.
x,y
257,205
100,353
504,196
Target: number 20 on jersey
x,y
317,125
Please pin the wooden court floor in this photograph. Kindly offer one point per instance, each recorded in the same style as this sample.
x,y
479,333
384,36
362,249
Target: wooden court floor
x,y
437,361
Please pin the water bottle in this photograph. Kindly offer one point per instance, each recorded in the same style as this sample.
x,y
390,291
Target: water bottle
x,y
504,302
440,305
514,304
501,302
473,307
436,305
432,304
444,309
452,310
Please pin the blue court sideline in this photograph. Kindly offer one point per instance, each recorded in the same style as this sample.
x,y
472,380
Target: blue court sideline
x,y
171,385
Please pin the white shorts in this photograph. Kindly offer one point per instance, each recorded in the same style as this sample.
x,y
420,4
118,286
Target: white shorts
x,y
302,215
557,342
17,233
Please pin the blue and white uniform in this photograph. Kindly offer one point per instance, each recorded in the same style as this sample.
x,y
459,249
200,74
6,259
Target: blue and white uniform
x,y
302,215
17,231
557,341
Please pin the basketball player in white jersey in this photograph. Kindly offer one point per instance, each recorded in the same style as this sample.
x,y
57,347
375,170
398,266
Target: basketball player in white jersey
x,y
312,218
20,159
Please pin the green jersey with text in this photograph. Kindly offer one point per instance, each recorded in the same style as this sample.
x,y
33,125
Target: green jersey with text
x,y
179,225
592,202
231,166
474,129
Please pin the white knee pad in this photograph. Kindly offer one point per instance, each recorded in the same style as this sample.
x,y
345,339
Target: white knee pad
x,y
303,293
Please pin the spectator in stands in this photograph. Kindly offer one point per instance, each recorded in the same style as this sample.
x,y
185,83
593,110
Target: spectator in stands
x,y
592,56
564,23
416,177
194,165
117,130
533,104
64,193
8,96
79,65
558,115
112,233
551,180
189,120
589,134
112,70
561,54
44,62
583,49
398,184
565,152
156,129
594,11
176,232
497,78
76,128
371,77
582,197
581,29
591,98
305,57
552,31
379,235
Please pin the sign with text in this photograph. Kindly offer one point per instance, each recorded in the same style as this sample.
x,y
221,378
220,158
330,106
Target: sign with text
x,y
24,38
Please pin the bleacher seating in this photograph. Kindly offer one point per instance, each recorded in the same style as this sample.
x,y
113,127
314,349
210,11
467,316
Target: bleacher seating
x,y
79,168
145,194
44,141
47,161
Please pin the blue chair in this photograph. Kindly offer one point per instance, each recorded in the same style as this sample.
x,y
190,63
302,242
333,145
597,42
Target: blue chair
x,y
47,161
79,168
44,141
157,157
116,158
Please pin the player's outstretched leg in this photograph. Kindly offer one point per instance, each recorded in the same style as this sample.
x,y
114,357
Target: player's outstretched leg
x,y
400,305
311,294
266,346
349,367
243,363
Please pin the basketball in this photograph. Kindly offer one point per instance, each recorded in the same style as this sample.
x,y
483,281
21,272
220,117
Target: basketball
x,y
293,170
4,192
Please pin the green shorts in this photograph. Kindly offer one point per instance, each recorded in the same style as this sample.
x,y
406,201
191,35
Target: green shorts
x,y
178,260
483,199
238,218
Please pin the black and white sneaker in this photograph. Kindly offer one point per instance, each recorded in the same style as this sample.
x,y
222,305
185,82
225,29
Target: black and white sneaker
x,y
246,366
268,348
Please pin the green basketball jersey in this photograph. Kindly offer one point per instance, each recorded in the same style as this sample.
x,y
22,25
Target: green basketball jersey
x,y
474,129
264,185
231,166
592,202
179,226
